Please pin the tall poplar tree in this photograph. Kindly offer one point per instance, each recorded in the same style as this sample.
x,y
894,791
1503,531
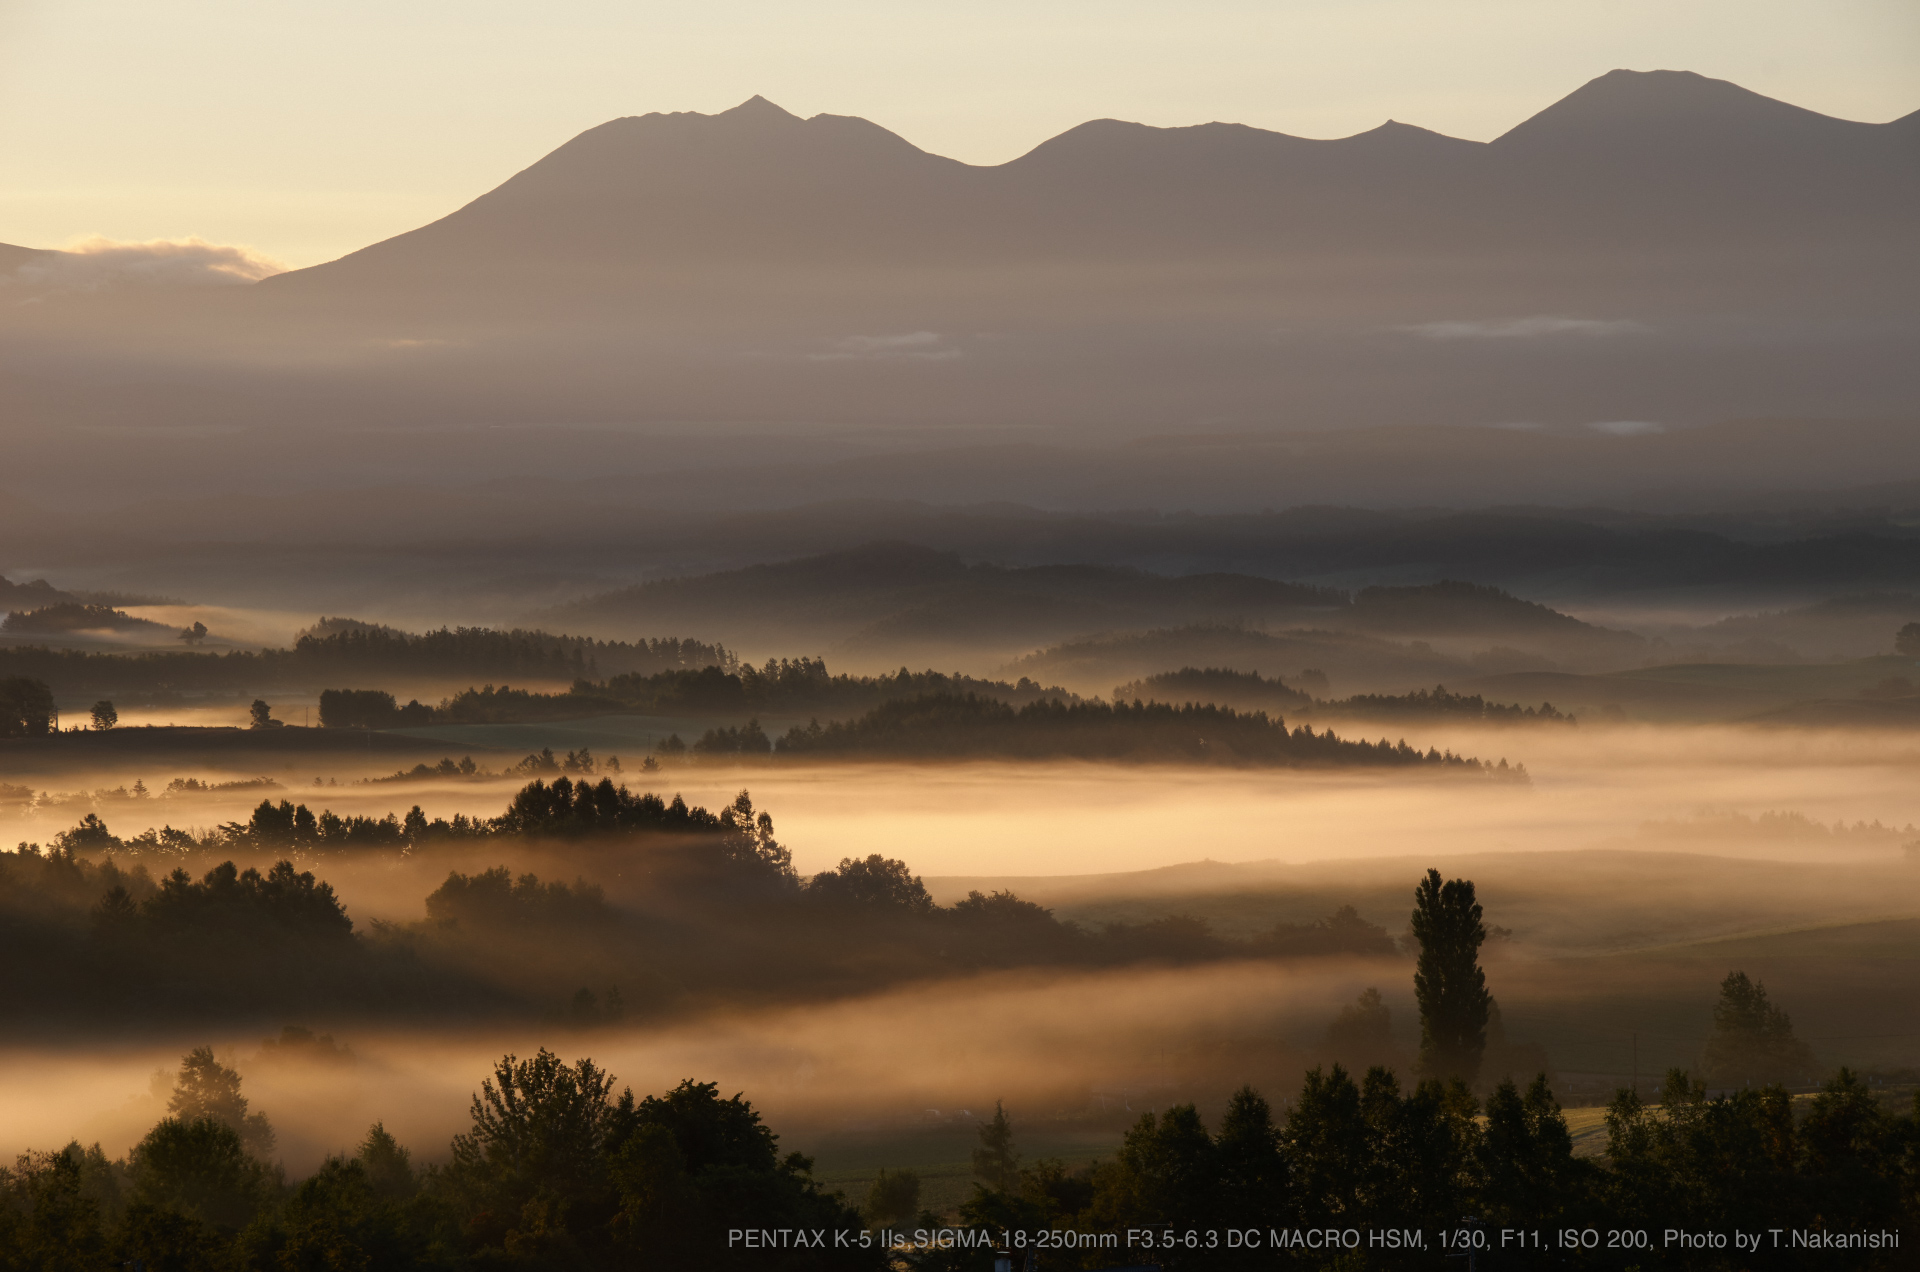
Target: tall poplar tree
x,y
1447,982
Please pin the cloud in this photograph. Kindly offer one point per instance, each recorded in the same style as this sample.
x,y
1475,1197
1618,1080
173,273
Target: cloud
x,y
923,346
95,263
1525,328
1627,428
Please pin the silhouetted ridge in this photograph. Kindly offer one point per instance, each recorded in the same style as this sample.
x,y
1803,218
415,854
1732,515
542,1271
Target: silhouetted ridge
x,y
643,205
1666,108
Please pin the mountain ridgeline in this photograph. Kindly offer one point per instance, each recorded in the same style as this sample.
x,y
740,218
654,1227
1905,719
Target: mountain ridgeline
x,y
1657,247
679,197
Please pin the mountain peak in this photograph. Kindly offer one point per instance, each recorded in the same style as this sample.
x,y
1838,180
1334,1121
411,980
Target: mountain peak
x,y
757,107
1666,107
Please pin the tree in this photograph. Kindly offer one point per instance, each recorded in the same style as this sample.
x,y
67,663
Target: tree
x,y
1448,982
26,707
1362,1034
1526,1155
1906,641
389,1167
195,634
48,1219
206,1088
89,834
1327,1145
357,709
1753,1042
689,1167
539,1130
894,1199
1253,1185
199,1169
877,883
260,715
1166,1174
996,1161
104,716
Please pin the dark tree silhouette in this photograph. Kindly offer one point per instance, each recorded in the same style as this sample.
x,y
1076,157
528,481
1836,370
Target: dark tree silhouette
x,y
1448,982
104,716
26,707
206,1088
1753,1042
893,1200
995,1161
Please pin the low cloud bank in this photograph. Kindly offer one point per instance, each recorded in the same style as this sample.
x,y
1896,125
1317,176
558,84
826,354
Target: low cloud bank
x,y
94,263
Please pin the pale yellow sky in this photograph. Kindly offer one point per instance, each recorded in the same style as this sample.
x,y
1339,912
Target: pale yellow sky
x,y
305,129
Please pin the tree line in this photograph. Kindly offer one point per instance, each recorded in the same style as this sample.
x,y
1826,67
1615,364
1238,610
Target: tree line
x,y
969,725
556,1171
1248,690
1498,1178
786,686
1438,702
341,648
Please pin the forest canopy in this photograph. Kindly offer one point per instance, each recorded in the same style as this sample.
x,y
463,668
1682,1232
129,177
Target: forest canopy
x,y
952,725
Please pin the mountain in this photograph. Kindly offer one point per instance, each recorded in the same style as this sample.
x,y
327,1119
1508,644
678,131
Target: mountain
x,y
1656,252
12,258
755,199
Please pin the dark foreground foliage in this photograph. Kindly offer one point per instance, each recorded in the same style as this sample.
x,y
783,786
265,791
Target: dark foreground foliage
x,y
1370,1157
555,1171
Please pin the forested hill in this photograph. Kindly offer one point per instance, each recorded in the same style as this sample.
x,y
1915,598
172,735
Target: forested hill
x,y
339,649
957,725
36,594
790,687
904,602
895,592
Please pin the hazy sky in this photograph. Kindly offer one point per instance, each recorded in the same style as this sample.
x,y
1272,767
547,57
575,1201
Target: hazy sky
x,y
307,129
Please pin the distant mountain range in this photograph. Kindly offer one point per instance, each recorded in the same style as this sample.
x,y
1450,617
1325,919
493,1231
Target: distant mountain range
x,y
1637,171
1657,250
